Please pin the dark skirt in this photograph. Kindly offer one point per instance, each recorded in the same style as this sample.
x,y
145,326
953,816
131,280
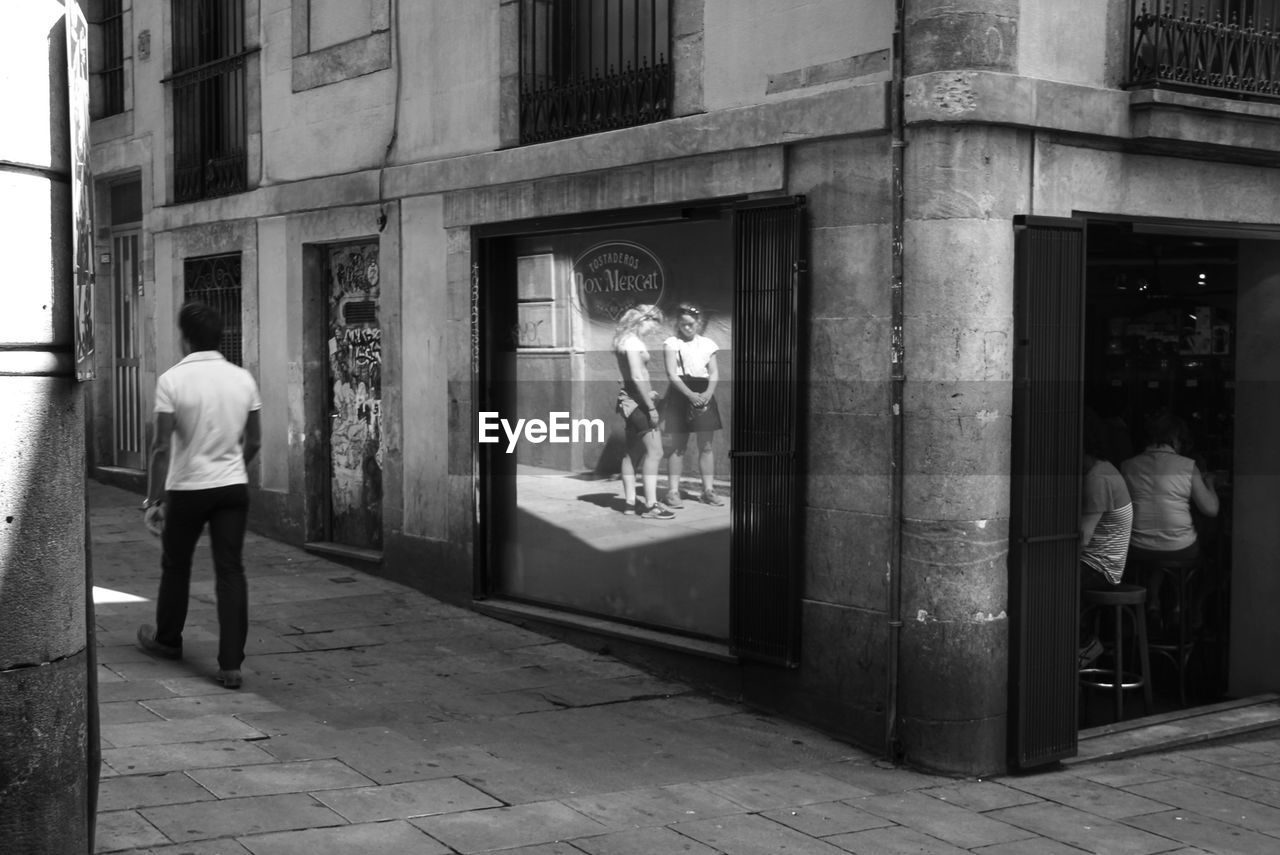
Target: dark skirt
x,y
680,416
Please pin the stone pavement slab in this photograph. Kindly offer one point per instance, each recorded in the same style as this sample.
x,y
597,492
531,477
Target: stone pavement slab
x,y
138,791
1088,796
307,776
936,818
126,830
1237,782
754,835
1214,804
1084,831
125,712
825,820
1211,835
199,847
896,840
149,759
221,703
981,795
783,789
507,828
642,841
240,817
374,838
1040,846
403,801
202,729
653,806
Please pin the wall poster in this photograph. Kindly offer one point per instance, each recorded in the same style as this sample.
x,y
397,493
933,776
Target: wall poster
x,y
81,193
595,509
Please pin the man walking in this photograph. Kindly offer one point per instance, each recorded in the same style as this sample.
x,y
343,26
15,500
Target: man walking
x,y
207,430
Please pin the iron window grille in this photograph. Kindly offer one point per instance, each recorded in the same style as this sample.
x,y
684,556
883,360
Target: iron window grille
x,y
1221,47
209,117
215,281
592,65
111,71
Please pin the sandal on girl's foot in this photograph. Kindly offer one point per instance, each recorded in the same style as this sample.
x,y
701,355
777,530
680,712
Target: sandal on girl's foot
x,y
230,679
709,497
673,501
656,512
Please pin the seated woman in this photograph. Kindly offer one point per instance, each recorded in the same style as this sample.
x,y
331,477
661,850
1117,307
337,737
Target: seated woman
x,y
1105,522
1164,484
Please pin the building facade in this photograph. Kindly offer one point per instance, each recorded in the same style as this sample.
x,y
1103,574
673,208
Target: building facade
x,y
924,236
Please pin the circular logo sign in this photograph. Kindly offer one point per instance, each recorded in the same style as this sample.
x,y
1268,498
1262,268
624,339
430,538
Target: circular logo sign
x,y
612,277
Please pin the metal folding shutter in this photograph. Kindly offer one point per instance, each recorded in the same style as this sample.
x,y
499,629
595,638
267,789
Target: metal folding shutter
x,y
1045,489
765,578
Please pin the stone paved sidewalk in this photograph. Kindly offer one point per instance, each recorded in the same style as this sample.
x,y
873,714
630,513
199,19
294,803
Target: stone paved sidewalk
x,y
374,719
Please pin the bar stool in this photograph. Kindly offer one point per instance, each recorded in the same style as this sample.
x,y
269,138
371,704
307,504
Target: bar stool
x,y
1121,600
1178,649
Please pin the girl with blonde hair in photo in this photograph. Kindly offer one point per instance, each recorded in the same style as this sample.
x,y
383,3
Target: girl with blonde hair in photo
x,y
638,406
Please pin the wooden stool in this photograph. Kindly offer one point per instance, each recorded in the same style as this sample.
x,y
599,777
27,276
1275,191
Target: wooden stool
x,y
1121,600
1179,647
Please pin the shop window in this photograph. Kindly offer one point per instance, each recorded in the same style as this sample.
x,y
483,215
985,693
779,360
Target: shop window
x,y
542,312
215,280
108,90
335,40
209,99
592,65
562,314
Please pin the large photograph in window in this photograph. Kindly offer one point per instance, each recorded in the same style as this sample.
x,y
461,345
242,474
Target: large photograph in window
x,y
612,497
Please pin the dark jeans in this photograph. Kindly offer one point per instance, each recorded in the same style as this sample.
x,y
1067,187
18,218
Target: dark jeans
x,y
226,510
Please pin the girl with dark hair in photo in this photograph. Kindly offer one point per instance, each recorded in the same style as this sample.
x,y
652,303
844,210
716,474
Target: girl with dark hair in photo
x,y
690,406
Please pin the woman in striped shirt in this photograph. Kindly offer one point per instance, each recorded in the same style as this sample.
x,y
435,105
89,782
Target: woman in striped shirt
x,y
1106,520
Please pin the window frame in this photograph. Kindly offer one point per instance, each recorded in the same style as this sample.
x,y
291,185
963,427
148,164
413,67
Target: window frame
x,y
313,68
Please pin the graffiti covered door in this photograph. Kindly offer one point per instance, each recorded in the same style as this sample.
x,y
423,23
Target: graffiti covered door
x,y
351,276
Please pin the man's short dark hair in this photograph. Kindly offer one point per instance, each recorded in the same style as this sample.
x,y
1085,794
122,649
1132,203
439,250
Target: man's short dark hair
x,y
200,325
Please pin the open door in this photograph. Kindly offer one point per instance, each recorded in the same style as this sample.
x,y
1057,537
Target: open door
x,y
1044,534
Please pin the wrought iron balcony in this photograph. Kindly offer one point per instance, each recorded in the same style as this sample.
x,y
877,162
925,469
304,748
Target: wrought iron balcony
x,y
1219,47
592,65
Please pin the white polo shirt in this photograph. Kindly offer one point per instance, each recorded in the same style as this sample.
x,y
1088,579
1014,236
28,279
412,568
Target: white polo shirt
x,y
210,400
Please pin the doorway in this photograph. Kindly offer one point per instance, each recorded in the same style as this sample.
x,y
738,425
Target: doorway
x,y
1160,322
350,275
127,414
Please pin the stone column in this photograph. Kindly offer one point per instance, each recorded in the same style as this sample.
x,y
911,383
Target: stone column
x,y
44,786
963,183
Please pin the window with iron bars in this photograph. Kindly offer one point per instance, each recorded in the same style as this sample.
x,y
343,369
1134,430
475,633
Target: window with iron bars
x,y
592,65
208,84
215,281
109,92
1220,47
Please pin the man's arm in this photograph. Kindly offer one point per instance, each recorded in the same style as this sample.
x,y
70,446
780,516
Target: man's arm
x,y
158,469
252,436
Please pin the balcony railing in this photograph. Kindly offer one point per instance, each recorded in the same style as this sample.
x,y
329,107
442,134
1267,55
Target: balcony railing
x,y
592,65
1221,47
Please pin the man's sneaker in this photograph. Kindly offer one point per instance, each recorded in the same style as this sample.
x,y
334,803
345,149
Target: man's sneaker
x,y
229,679
673,501
147,641
709,497
656,512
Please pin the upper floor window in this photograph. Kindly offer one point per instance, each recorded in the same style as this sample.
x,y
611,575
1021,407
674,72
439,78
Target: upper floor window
x,y
209,133
1223,47
108,93
592,65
